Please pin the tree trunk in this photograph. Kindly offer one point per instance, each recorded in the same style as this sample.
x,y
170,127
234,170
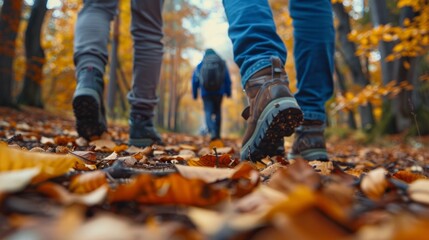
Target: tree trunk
x,y
351,122
380,16
31,93
353,62
10,18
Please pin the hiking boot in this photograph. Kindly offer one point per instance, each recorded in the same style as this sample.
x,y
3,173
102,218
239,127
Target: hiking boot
x,y
273,113
309,142
143,132
88,104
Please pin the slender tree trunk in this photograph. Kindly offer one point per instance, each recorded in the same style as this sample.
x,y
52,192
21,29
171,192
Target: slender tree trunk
x,y
31,93
10,17
351,122
353,62
403,103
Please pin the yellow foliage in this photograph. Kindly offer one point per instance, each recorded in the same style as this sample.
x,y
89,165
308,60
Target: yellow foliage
x,y
413,38
370,94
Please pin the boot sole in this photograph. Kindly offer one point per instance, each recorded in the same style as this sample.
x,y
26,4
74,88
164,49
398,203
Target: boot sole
x,y
311,155
89,119
279,119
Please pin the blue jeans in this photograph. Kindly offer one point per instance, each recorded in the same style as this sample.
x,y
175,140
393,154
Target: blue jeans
x,y
254,38
212,111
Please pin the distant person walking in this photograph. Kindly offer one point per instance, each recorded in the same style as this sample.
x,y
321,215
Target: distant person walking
x,y
212,77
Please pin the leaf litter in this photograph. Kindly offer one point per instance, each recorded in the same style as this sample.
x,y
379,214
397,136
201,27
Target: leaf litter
x,y
54,185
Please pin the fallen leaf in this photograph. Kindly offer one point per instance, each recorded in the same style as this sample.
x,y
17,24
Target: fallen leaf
x,y
419,191
60,194
103,145
16,180
87,182
208,174
50,165
408,176
374,183
170,189
223,161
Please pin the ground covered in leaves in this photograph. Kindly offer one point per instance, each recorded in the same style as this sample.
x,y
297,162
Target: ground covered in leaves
x,y
54,185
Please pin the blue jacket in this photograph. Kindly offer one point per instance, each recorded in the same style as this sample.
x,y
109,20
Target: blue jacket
x,y
225,90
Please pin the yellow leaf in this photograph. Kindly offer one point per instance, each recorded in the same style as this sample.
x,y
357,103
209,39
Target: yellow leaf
x,y
406,65
50,165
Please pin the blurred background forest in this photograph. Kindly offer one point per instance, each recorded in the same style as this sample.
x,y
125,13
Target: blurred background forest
x,y
381,72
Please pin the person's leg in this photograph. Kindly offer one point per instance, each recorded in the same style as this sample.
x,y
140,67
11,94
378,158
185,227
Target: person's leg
x,y
90,57
209,106
314,62
260,53
146,29
217,111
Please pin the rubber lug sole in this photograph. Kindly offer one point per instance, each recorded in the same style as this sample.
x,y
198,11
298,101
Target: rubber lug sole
x,y
279,119
88,115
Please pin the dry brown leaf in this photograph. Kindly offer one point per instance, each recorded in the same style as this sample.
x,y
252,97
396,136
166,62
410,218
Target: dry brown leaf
x,y
224,161
246,179
323,167
298,173
171,189
208,174
145,151
271,169
419,191
374,183
261,199
60,194
106,145
87,182
88,156
63,140
309,215
51,165
408,176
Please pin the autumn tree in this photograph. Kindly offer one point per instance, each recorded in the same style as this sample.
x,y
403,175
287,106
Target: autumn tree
x,y
347,50
401,45
31,93
10,18
176,71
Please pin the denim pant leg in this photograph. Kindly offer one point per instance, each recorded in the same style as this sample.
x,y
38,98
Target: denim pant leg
x,y
253,35
92,33
314,55
217,111
146,29
209,106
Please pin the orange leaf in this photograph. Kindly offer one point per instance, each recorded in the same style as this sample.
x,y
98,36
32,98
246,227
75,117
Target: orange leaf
x,y
408,176
171,189
210,160
88,182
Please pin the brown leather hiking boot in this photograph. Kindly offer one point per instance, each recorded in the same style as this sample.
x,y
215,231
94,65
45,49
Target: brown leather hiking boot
x,y
309,142
273,112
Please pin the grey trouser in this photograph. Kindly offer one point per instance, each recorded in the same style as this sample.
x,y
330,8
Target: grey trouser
x,y
92,36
